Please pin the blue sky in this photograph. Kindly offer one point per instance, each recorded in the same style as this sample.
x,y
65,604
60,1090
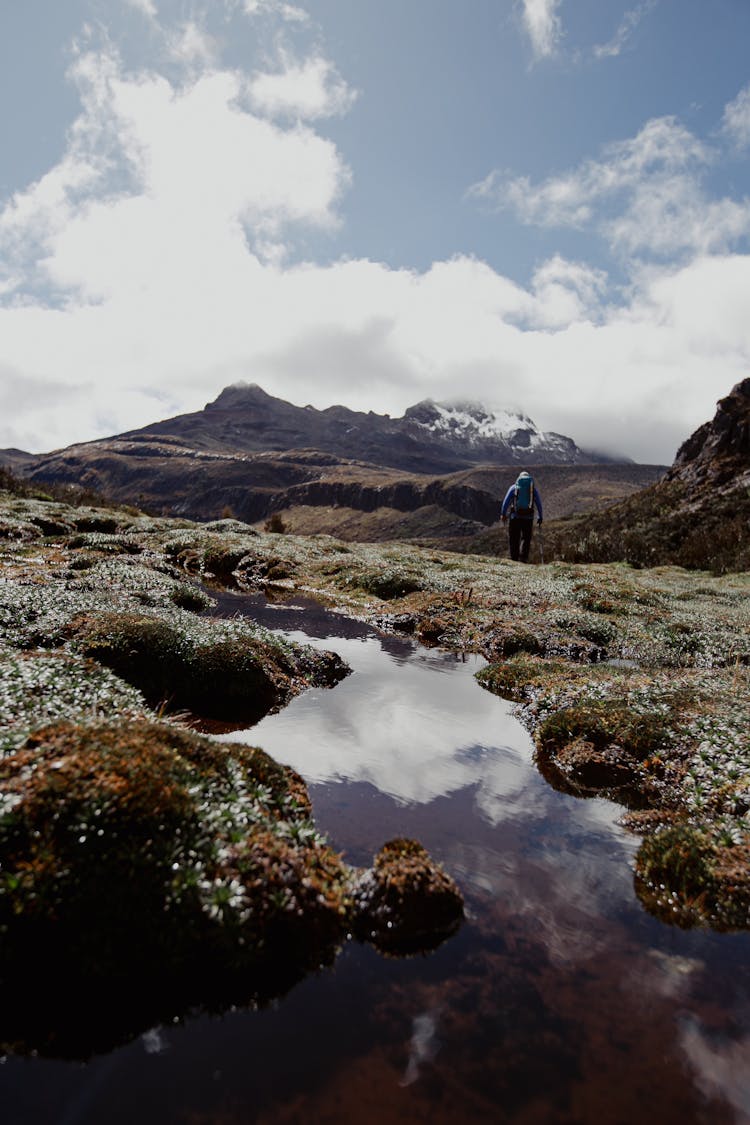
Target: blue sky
x,y
541,204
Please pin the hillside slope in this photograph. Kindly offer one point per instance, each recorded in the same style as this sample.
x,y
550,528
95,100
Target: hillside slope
x,y
698,516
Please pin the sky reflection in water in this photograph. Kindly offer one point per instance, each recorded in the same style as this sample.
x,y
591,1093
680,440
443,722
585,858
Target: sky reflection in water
x,y
559,1000
400,724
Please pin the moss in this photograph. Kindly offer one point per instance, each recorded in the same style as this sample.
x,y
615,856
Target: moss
x,y
106,525
506,640
221,560
51,527
83,562
517,677
190,598
696,875
602,723
229,677
118,839
597,599
390,583
143,868
105,543
407,903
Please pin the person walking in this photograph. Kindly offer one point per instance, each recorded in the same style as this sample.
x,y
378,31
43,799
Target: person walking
x,y
518,511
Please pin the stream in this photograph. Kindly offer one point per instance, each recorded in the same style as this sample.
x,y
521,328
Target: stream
x,y
559,1000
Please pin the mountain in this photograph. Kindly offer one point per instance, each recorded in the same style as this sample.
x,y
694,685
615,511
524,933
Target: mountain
x,y
430,438
251,454
698,515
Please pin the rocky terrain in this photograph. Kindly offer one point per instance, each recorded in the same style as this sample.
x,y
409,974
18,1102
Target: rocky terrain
x,y
697,516
367,476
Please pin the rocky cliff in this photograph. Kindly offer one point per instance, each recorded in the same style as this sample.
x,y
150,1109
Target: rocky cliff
x,y
718,453
697,516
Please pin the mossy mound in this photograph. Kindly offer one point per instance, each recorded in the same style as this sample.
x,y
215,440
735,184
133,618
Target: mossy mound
x,y
145,870
603,723
115,839
390,583
216,674
598,745
407,903
506,640
696,876
522,675
104,542
189,597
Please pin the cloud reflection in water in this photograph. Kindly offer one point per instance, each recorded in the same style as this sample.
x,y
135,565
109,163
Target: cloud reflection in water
x,y
416,729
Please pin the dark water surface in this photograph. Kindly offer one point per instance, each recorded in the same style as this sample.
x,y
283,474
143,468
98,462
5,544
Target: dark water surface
x,y
560,1000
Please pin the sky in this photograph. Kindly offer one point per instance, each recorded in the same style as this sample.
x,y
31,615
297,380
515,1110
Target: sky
x,y
540,205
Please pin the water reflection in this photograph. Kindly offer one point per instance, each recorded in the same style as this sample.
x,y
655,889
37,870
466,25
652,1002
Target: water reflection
x,y
559,1001
411,722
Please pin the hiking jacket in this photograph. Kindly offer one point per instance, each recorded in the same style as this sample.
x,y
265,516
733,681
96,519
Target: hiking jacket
x,y
509,506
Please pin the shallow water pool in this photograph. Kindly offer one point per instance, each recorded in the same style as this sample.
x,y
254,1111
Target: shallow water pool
x,y
559,1000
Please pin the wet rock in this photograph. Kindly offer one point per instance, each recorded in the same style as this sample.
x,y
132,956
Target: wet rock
x,y
406,903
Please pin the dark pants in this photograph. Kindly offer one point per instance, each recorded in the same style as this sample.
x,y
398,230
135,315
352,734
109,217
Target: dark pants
x,y
519,535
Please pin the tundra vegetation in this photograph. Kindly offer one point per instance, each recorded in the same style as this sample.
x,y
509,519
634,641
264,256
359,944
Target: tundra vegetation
x,y
128,841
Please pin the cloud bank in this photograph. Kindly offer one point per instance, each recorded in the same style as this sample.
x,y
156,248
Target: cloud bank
x,y
158,261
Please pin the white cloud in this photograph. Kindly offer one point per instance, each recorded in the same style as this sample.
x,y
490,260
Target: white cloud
x,y
149,272
147,7
542,25
655,178
192,44
721,1066
289,12
736,120
565,292
307,89
615,46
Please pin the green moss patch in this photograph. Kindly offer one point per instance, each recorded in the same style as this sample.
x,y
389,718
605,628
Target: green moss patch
x,y
697,875
221,672
129,841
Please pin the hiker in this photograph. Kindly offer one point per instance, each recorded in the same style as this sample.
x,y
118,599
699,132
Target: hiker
x,y
520,500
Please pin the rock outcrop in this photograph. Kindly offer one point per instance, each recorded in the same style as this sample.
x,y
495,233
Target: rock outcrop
x,y
697,516
719,451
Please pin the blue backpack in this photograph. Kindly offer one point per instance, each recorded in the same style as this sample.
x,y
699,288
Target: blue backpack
x,y
524,497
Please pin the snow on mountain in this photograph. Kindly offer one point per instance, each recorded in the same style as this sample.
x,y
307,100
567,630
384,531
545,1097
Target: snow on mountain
x,y
472,423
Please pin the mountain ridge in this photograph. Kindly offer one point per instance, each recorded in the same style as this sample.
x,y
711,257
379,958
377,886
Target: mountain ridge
x,y
430,437
253,455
